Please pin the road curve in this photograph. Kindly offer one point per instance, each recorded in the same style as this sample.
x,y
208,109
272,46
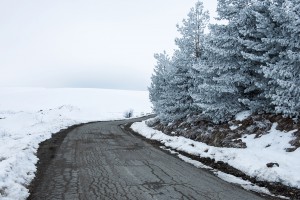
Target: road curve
x,y
101,161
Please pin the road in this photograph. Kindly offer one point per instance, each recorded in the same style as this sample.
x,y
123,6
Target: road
x,y
101,161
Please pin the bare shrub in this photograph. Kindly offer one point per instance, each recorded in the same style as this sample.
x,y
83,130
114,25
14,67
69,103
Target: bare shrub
x,y
128,113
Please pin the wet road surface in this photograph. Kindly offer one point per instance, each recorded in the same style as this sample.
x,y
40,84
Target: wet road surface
x,y
101,161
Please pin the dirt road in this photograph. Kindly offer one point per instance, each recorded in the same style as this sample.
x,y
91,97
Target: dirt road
x,y
102,161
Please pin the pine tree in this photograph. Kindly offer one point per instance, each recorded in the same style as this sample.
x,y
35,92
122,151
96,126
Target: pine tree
x,y
170,89
189,52
231,74
255,25
284,72
221,78
192,34
159,89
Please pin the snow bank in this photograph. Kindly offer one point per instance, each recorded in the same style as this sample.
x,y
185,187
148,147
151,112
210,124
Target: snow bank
x,y
29,116
252,160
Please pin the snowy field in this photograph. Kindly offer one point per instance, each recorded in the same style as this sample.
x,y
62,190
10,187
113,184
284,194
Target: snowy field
x,y
269,148
29,116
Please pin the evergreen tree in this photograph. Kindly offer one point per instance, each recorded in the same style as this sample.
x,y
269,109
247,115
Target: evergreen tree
x,y
221,80
231,75
189,52
192,34
255,25
159,89
172,100
284,72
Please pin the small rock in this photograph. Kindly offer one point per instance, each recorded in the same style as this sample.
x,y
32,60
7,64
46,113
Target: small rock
x,y
290,149
270,165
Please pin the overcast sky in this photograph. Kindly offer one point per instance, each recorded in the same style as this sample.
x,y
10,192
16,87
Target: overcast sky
x,y
87,43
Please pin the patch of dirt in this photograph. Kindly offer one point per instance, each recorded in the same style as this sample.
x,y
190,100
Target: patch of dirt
x,y
46,152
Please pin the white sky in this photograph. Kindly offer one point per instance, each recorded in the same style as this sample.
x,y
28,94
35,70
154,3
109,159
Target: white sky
x,y
87,43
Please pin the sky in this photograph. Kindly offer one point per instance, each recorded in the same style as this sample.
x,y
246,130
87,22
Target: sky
x,y
87,43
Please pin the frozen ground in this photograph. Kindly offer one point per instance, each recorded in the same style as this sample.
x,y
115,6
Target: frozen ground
x,y
269,148
29,116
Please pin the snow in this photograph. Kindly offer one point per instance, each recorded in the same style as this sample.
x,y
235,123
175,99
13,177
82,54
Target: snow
x,y
193,162
187,159
247,185
29,116
241,116
252,160
233,127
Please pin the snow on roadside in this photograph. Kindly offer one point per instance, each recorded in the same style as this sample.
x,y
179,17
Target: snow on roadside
x,y
29,116
187,159
252,160
247,185
20,134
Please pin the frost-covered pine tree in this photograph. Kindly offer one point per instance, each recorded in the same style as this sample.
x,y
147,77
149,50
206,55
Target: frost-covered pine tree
x,y
192,33
220,78
255,26
188,53
159,89
173,79
284,72
231,73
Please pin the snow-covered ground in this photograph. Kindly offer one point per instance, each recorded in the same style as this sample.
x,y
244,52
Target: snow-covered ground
x,y
269,148
29,116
